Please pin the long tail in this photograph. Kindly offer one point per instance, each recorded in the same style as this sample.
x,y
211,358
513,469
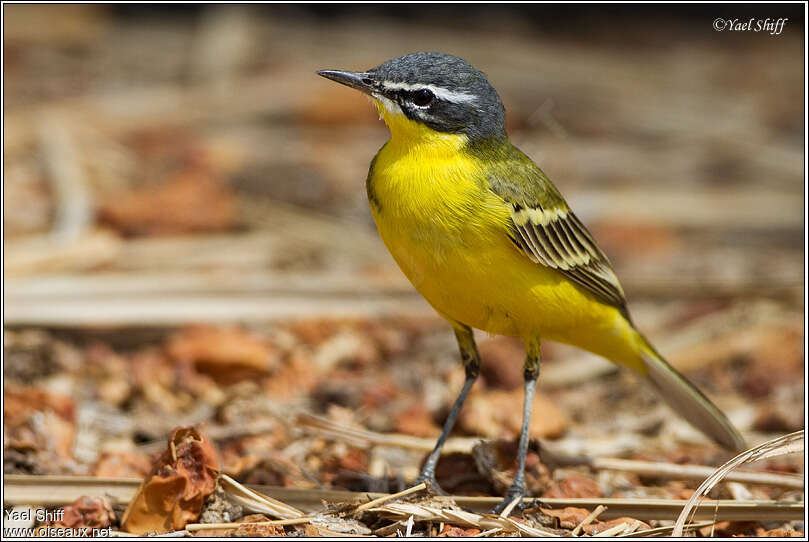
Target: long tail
x,y
688,401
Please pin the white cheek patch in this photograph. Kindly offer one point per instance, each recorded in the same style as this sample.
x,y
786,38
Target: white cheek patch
x,y
439,92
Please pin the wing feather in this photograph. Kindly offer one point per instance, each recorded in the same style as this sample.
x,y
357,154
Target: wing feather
x,y
576,245
551,250
544,228
557,239
573,257
532,248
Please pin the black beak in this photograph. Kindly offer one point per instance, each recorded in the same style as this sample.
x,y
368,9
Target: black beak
x,y
361,81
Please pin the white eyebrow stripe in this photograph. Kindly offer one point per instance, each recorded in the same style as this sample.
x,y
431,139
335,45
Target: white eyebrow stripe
x,y
440,92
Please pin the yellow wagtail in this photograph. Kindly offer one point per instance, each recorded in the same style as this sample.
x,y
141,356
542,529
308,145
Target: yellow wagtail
x,y
489,241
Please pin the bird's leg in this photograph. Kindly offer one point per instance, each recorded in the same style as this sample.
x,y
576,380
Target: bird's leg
x,y
531,373
471,362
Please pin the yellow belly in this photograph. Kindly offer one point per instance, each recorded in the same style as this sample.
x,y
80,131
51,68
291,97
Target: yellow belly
x,y
449,235
489,285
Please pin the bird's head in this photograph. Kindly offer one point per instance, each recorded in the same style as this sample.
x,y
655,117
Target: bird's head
x,y
436,91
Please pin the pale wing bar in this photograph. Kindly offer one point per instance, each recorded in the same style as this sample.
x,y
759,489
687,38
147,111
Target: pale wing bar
x,y
557,239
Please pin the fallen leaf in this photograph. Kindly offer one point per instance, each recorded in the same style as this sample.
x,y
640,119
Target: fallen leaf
x,y
569,517
94,512
416,420
454,531
40,422
228,354
177,487
573,486
20,402
295,377
496,414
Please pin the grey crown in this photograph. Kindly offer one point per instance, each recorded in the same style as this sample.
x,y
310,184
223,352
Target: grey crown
x,y
482,117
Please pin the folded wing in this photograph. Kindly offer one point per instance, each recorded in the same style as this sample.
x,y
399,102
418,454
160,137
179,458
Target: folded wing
x,y
556,238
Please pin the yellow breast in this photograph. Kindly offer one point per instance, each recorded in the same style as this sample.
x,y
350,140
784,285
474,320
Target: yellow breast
x,y
449,235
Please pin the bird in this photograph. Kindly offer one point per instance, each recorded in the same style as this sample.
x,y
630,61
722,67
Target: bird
x,y
491,244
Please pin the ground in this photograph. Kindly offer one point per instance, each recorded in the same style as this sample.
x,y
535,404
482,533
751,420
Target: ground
x,y
187,244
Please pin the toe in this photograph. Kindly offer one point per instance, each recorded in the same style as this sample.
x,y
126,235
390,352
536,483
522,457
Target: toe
x,y
515,493
432,484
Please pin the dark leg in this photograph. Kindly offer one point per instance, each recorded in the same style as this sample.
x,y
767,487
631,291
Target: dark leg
x,y
471,362
517,489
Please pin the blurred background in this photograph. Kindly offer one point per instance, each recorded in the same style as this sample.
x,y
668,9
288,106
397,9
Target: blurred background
x,y
187,238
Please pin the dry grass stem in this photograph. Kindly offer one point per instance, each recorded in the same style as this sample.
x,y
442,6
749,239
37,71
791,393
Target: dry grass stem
x,y
445,511
791,443
257,502
409,530
386,498
236,525
364,437
509,507
632,528
694,472
614,531
660,531
61,490
588,520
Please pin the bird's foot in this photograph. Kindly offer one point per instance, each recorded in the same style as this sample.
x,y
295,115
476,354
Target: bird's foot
x,y
432,483
515,493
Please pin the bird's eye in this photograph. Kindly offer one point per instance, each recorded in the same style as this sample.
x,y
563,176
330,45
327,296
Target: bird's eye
x,y
422,97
